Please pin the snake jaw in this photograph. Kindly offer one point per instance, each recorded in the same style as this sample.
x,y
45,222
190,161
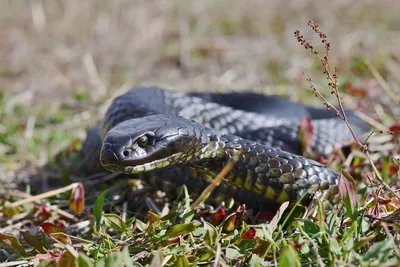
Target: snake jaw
x,y
153,165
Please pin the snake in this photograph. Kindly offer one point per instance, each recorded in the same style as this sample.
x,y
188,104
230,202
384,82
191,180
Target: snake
x,y
172,138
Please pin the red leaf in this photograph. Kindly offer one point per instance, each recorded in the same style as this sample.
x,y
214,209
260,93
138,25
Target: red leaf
x,y
265,216
218,216
395,128
298,245
323,160
306,132
77,199
383,201
55,232
171,241
44,213
249,234
355,90
392,169
240,211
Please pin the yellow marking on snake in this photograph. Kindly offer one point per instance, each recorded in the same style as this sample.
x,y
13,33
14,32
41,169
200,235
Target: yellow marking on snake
x,y
238,182
258,188
247,182
269,193
283,196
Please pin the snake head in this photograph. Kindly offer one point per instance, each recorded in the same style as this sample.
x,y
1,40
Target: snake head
x,y
153,142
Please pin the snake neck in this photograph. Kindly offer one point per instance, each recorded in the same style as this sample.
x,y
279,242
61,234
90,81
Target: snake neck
x,y
220,149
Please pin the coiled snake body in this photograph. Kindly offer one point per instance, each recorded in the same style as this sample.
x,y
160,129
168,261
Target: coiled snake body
x,y
164,135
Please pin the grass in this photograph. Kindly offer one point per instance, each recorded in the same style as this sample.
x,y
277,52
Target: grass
x,y
64,61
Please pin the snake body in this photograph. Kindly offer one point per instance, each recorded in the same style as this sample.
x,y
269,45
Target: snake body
x,y
203,131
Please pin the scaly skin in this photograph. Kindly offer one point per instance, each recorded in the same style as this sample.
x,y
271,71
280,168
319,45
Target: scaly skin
x,y
268,120
274,175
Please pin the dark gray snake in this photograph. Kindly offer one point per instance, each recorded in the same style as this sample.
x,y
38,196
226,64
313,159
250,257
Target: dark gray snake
x,y
186,138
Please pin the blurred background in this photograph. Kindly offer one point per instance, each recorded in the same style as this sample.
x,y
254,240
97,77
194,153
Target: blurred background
x,y
63,60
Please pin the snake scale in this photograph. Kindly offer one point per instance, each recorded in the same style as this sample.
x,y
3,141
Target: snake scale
x,y
172,138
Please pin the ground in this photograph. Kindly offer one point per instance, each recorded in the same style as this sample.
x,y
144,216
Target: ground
x,y
63,61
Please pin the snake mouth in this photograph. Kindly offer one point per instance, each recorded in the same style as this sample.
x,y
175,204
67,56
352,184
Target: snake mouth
x,y
166,162
128,168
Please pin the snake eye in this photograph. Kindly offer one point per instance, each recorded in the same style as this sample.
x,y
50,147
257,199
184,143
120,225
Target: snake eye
x,y
143,141
126,152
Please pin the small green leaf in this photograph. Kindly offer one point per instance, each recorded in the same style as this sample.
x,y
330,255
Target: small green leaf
x,y
101,263
255,261
130,221
181,261
334,246
127,258
211,234
98,207
187,197
347,241
34,242
207,255
310,228
232,253
348,244
115,222
140,225
114,259
364,225
83,260
289,257
229,223
181,229
379,251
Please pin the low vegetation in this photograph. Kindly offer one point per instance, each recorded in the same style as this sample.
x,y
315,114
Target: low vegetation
x,y
88,221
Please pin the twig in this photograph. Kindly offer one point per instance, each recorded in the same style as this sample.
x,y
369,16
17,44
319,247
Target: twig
x,y
54,208
329,106
217,256
44,195
213,184
382,82
333,83
371,121
14,263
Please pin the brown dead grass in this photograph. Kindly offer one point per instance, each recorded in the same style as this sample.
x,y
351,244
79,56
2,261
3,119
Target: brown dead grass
x,y
54,47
